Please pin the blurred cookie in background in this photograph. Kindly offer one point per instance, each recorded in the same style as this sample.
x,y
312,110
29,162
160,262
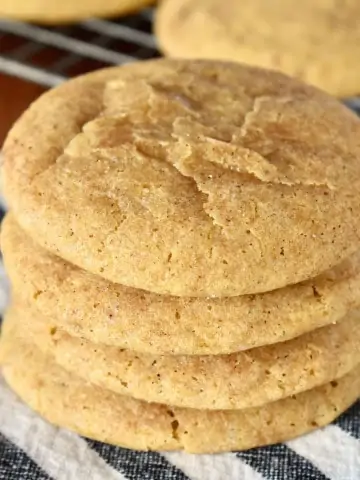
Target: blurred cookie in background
x,y
66,11
315,40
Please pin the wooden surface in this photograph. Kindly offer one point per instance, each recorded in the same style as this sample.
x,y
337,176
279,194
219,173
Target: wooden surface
x,y
15,96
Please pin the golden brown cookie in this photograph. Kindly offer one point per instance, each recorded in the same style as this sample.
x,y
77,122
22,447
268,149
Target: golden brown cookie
x,y
68,401
188,177
237,381
64,11
88,306
316,41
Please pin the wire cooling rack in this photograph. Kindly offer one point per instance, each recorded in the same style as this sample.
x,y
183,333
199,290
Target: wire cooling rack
x,y
49,55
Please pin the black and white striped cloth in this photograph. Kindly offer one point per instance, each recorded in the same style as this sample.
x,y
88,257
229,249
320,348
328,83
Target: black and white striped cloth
x,y
32,449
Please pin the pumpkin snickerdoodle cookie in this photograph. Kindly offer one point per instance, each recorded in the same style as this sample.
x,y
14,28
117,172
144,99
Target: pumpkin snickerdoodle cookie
x,y
240,380
316,40
65,11
67,401
91,307
189,178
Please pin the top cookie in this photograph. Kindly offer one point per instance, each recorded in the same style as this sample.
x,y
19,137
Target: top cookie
x,y
188,177
315,40
45,11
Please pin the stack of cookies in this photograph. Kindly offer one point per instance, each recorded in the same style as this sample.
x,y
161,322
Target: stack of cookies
x,y
183,247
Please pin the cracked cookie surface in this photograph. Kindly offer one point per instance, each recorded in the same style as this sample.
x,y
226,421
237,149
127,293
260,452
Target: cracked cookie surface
x,y
188,177
66,400
317,41
88,306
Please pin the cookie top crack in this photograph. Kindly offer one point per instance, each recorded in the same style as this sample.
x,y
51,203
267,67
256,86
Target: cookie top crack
x,y
190,178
